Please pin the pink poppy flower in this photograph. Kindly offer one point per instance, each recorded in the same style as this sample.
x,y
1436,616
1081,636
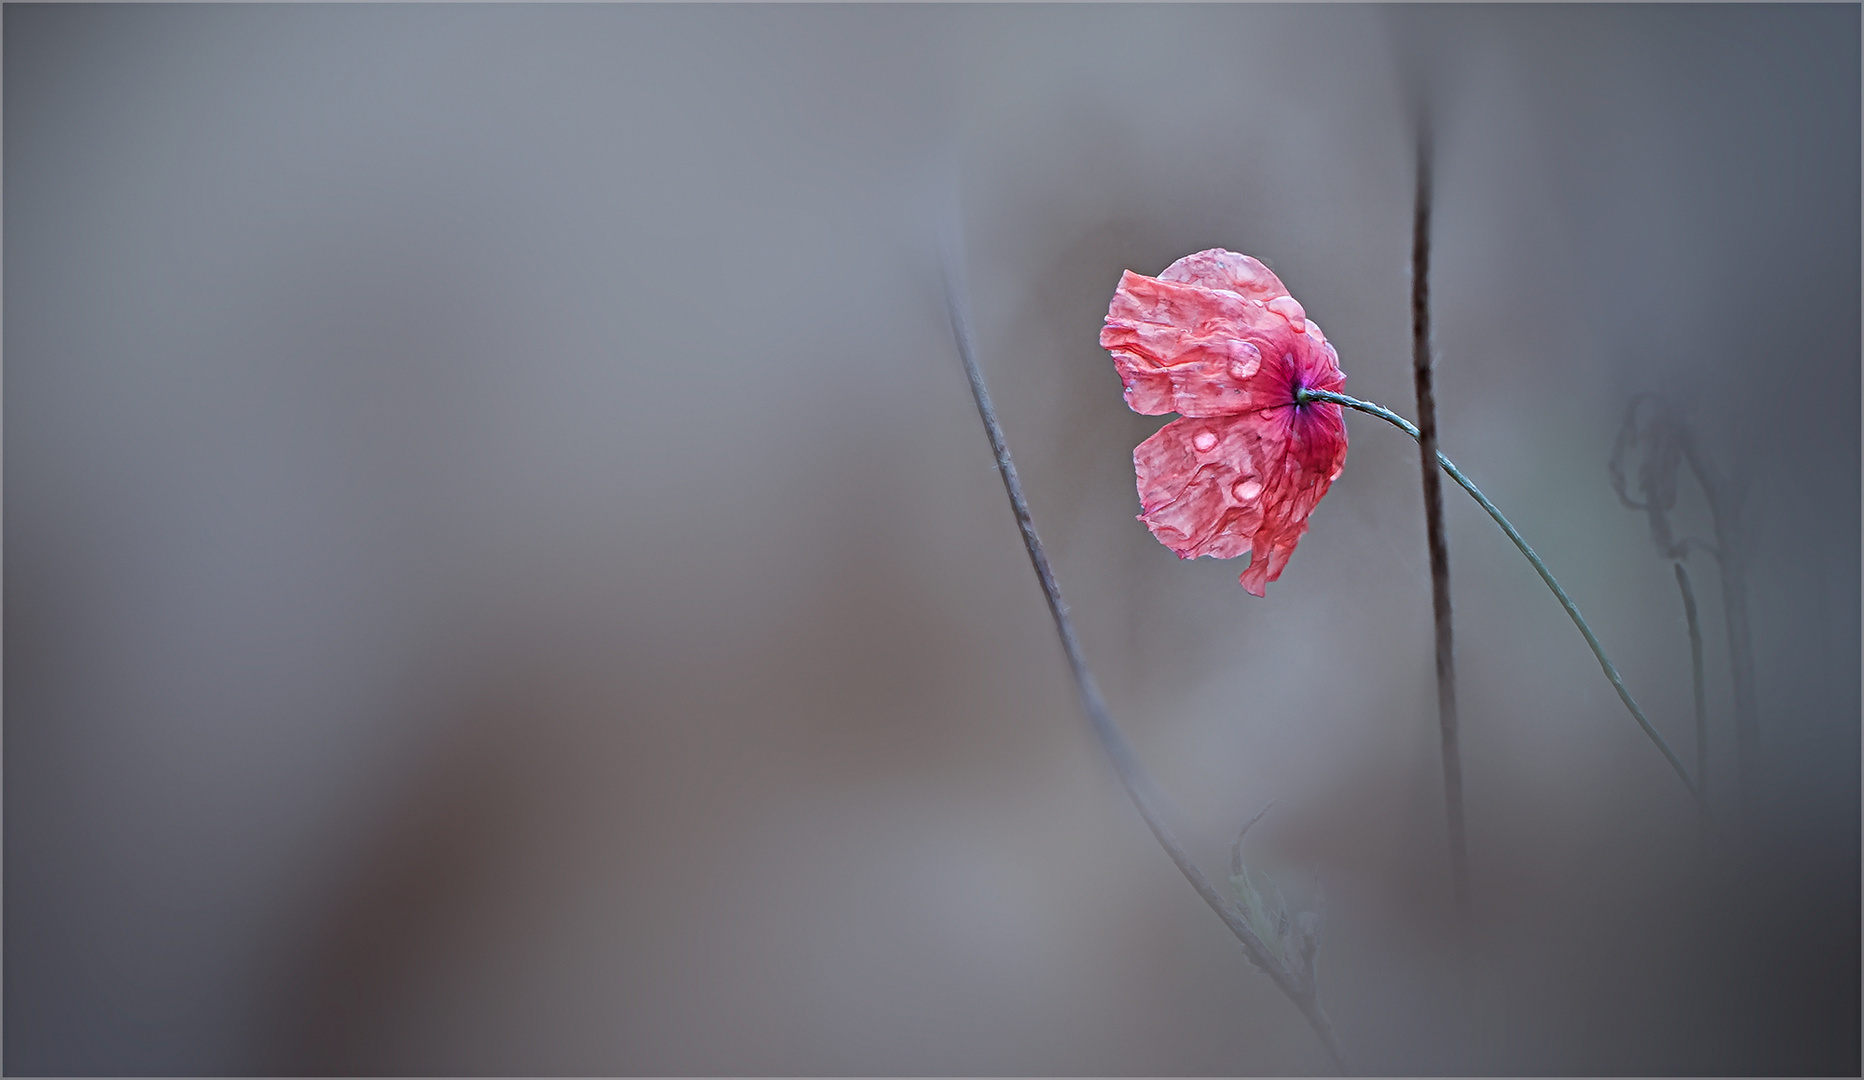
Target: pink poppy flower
x,y
1217,339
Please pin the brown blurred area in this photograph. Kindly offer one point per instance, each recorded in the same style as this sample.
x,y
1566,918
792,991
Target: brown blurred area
x,y
503,574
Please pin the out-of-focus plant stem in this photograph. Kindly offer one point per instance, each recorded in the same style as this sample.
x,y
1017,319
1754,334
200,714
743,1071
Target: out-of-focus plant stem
x,y
1305,395
1433,522
1300,987
1696,682
1725,510
1653,423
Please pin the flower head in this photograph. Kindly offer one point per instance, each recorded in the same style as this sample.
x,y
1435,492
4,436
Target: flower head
x,y
1217,339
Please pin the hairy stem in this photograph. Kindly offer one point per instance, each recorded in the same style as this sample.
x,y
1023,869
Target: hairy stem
x,y
1433,525
1301,991
1572,610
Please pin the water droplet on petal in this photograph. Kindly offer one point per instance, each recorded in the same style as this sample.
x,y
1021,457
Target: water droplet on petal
x,y
1203,441
1247,489
1245,359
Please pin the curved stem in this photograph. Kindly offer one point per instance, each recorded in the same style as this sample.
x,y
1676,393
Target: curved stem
x,y
1301,990
1304,395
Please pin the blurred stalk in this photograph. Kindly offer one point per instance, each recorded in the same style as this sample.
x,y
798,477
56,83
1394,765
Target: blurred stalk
x,y
1653,424
1725,500
1695,668
1433,520
1300,985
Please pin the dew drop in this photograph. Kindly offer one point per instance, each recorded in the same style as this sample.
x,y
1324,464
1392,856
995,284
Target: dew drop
x,y
1246,359
1203,441
1247,489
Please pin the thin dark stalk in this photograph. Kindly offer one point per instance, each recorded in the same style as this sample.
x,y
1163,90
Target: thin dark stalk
x,y
1725,497
1572,610
1433,523
1741,672
1695,666
1300,990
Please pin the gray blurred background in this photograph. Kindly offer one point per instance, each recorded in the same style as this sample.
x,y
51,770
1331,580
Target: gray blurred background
x,y
503,573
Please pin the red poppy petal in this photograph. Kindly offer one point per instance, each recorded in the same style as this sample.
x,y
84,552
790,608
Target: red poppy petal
x,y
1186,349
1291,498
1200,484
1220,269
1217,338
1308,459
1232,485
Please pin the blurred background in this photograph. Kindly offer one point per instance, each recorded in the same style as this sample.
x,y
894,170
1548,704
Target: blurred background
x,y
503,573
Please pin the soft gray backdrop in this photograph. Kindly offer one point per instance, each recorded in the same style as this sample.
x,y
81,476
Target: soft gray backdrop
x,y
503,574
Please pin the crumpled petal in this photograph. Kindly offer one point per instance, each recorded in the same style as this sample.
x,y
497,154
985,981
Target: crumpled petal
x,y
1241,274
1232,485
1306,467
1184,348
1190,341
1216,268
1200,485
1218,339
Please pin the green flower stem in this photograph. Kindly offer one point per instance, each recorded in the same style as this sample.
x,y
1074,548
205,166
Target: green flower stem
x,y
1304,396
